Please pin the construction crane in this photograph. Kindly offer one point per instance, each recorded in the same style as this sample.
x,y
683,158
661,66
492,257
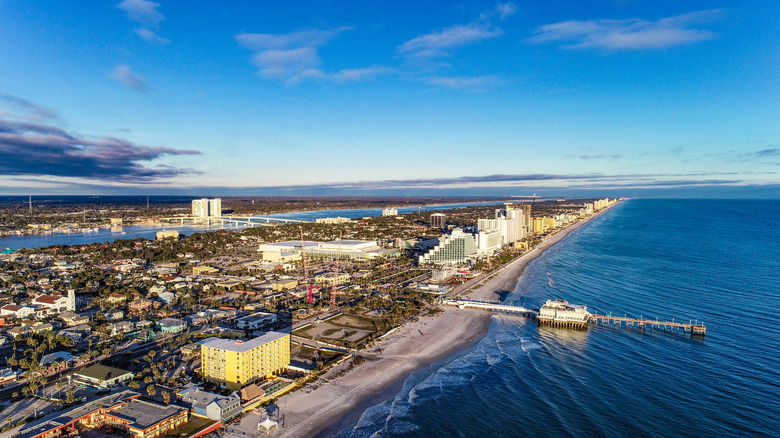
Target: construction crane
x,y
335,277
305,271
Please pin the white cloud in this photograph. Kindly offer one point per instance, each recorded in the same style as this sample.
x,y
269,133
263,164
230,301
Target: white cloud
x,y
125,76
629,34
146,14
304,38
440,43
436,43
478,83
294,57
142,11
283,64
151,36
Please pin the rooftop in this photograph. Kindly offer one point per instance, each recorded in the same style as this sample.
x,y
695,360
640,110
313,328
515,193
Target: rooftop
x,y
144,414
101,372
243,346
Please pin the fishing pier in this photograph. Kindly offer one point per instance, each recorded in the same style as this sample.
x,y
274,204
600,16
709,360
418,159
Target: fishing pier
x,y
694,328
559,313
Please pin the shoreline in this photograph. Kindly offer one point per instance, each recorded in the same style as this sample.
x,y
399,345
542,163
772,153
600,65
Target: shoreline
x,y
326,406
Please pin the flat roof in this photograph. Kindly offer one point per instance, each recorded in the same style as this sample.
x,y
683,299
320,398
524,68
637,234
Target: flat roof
x,y
101,372
243,346
143,414
70,415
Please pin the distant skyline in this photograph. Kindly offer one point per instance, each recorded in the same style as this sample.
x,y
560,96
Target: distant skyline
x,y
602,98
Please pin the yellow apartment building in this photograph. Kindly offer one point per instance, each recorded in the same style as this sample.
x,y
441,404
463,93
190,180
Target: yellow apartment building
x,y
236,364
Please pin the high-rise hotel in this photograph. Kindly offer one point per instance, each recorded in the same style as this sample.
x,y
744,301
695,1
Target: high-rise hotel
x,y
236,364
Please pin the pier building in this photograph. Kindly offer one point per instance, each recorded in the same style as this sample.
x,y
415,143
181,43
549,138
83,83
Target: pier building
x,y
561,313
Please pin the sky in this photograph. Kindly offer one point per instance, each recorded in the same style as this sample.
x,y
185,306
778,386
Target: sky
x,y
597,98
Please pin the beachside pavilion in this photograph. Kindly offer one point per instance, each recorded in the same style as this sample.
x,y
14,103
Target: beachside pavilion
x,y
99,376
122,410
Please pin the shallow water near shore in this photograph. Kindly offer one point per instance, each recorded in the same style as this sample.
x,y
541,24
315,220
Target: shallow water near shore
x,y
715,261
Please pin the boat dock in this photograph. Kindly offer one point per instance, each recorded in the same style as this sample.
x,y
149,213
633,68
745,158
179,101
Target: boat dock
x,y
560,313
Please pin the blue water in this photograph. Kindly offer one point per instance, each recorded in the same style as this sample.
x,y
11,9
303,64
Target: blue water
x,y
150,231
715,261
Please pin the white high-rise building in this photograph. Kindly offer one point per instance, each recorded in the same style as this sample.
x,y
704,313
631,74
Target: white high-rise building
x,y
390,211
207,207
509,221
215,207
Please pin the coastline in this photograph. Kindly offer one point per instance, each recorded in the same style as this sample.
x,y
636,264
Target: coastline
x,y
332,403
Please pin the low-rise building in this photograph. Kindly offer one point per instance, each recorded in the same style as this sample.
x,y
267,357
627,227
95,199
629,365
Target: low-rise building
x,y
17,311
255,320
214,406
59,304
561,312
143,419
99,376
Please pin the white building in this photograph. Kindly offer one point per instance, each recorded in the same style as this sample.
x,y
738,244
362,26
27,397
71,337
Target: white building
x,y
344,249
332,220
255,320
489,242
390,211
454,248
560,311
207,207
215,207
510,221
17,311
60,304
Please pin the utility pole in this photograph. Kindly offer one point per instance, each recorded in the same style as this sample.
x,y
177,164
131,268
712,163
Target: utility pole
x,y
30,205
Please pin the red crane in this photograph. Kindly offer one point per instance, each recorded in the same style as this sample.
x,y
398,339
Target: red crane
x,y
305,272
335,277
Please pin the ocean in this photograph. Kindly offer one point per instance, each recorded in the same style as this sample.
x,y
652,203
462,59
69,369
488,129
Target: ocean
x,y
716,261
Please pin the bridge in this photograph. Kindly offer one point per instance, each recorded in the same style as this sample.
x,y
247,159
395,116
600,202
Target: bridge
x,y
494,307
248,220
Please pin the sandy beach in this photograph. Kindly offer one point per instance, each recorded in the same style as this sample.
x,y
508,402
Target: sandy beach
x,y
324,404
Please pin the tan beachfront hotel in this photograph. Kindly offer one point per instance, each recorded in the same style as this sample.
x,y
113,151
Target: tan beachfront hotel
x,y
236,364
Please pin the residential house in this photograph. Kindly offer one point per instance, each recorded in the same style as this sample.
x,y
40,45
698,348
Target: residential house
x,y
76,333
141,305
120,327
114,315
116,298
59,304
171,325
166,297
73,319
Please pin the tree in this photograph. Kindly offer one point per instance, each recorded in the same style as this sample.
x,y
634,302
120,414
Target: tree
x,y
166,397
134,384
151,390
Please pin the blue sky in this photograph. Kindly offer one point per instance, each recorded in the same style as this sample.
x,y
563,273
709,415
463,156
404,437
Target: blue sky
x,y
615,97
